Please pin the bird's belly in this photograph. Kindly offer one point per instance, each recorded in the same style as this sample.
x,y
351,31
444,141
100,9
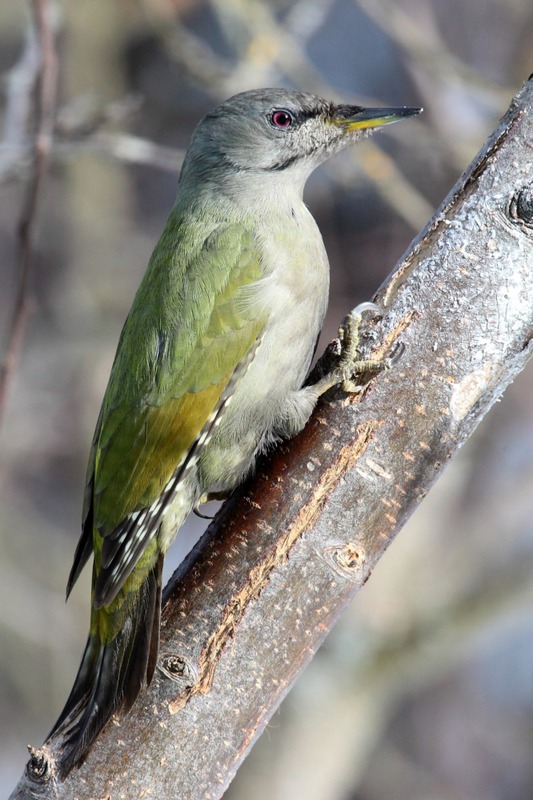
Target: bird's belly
x,y
251,416
278,369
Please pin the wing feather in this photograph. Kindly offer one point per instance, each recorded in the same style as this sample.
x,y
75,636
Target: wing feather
x,y
187,340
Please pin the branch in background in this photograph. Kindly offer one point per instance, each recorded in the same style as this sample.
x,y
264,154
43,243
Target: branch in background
x,y
442,78
271,50
124,147
424,45
36,74
19,90
81,126
194,56
381,171
250,606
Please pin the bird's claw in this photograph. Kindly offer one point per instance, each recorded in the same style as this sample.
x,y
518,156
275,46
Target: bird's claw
x,y
350,364
349,335
349,329
351,325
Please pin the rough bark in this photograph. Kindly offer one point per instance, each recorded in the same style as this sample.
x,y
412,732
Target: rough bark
x,y
250,606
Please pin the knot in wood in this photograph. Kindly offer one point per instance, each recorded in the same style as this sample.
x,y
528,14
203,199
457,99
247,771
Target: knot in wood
x,y
178,669
38,767
520,210
346,559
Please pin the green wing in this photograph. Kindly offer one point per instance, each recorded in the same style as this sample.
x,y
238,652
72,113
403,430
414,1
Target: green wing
x,y
185,337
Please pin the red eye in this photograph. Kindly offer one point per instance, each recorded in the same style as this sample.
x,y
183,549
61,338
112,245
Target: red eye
x,y
281,118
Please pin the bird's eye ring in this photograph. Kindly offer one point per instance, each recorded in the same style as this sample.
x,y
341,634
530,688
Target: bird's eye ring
x,y
281,118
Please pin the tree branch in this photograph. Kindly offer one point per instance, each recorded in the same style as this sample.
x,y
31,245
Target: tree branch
x,y
250,606
38,74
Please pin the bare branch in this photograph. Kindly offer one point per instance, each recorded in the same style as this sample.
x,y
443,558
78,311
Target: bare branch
x,y
39,75
193,55
124,147
424,45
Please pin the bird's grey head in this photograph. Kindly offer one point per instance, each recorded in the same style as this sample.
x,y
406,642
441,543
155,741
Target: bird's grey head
x,y
269,131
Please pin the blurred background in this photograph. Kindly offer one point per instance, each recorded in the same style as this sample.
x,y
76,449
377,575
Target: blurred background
x,y
425,688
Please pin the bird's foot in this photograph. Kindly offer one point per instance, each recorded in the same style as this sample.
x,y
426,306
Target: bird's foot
x,y
350,364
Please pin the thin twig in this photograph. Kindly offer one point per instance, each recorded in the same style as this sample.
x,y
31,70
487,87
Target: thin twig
x,y
123,147
44,83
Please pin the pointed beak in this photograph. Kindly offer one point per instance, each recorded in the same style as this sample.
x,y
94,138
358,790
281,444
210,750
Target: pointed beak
x,y
353,118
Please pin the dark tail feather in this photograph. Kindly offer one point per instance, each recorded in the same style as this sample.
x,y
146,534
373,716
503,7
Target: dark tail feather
x,y
110,677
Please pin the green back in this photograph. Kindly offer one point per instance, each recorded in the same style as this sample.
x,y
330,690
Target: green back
x,y
188,330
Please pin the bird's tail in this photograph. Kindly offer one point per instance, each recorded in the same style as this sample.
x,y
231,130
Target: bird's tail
x,y
113,670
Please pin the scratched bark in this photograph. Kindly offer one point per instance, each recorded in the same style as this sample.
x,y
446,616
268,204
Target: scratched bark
x,y
249,608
